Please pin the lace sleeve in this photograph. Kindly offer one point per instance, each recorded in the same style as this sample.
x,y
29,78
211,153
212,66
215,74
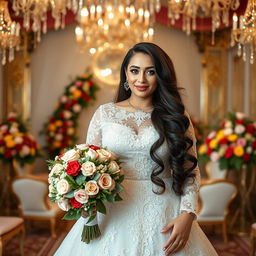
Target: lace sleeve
x,y
189,199
94,129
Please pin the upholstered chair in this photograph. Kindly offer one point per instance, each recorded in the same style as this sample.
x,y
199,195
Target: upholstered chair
x,y
253,239
215,197
32,193
213,171
9,227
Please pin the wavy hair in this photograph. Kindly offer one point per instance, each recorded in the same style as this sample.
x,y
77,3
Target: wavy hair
x,y
168,118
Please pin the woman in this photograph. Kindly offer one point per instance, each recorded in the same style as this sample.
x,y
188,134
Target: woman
x,y
150,131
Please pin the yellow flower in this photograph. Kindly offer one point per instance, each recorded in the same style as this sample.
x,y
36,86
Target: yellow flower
x,y
213,143
220,135
86,86
202,149
56,144
238,150
58,123
71,131
232,137
85,76
10,143
8,137
76,94
51,127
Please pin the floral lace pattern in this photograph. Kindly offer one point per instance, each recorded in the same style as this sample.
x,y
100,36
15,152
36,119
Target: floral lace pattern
x,y
132,226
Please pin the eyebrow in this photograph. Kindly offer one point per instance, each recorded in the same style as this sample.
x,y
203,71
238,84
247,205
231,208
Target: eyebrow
x,y
133,66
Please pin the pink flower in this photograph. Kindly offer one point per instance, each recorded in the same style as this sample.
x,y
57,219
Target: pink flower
x,y
64,99
211,135
241,142
239,129
214,156
77,108
79,83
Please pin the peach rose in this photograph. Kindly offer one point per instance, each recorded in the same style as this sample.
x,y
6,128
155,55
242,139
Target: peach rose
x,y
81,196
91,188
88,168
92,154
63,187
113,167
105,181
104,155
64,205
71,155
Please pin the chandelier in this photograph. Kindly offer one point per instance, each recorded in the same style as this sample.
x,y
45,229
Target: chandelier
x,y
37,11
118,22
9,33
218,10
245,34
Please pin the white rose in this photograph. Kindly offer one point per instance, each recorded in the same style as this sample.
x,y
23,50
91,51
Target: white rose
x,y
212,134
77,108
228,124
88,168
228,131
63,187
81,196
67,114
113,167
91,188
56,169
71,155
64,205
18,140
92,154
4,128
103,155
239,129
82,146
72,88
249,150
105,181
240,115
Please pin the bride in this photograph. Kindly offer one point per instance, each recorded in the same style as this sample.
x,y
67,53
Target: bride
x,y
150,131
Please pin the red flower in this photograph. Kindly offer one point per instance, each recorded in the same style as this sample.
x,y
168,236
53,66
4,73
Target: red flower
x,y
52,120
228,153
209,151
7,153
246,157
239,121
12,119
254,145
2,142
91,83
223,124
60,156
207,140
86,97
94,147
223,141
73,168
250,128
75,203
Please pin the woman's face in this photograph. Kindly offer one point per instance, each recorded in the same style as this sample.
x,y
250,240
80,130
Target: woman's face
x,y
141,75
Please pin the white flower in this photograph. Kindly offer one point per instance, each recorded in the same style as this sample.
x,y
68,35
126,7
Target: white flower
x,y
228,124
212,134
71,155
81,196
18,140
63,187
56,169
67,114
92,154
113,167
51,188
214,156
91,188
25,150
88,168
13,129
82,146
249,150
64,205
239,128
228,131
4,128
77,108
72,88
240,115
104,155
64,99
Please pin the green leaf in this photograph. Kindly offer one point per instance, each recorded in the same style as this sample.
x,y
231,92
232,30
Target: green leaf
x,y
100,207
80,179
69,195
72,214
110,198
71,181
91,219
118,198
96,176
121,179
118,188
223,164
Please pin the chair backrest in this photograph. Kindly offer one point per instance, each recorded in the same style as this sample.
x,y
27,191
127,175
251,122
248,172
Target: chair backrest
x,y
214,172
31,192
216,195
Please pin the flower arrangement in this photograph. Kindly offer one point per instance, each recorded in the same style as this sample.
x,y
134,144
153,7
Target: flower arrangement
x,y
81,180
233,144
60,129
16,143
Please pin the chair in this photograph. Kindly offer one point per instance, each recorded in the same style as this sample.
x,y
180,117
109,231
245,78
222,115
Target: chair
x,y
9,227
214,172
253,239
32,194
215,197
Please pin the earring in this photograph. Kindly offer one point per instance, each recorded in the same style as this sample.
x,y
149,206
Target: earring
x,y
126,86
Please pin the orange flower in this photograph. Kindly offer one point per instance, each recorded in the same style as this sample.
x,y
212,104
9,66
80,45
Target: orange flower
x,y
56,144
58,123
76,94
238,151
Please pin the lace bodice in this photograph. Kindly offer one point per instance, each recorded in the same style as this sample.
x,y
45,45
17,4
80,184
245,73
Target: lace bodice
x,y
130,135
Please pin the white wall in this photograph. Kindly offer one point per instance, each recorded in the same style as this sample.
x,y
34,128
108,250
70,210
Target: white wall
x,y
56,61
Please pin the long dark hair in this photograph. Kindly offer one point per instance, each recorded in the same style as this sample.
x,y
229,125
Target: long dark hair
x,y
168,118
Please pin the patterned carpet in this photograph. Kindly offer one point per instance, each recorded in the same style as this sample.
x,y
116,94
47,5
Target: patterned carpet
x,y
39,243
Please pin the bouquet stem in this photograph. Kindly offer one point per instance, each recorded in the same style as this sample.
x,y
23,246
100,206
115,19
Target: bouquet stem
x,y
91,230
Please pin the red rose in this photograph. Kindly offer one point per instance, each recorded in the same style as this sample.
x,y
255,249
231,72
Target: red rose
x,y
52,120
209,151
254,145
207,140
246,157
223,141
18,147
228,153
73,168
250,128
60,156
7,153
94,147
75,203
86,97
91,83
239,121
223,124
2,142
11,119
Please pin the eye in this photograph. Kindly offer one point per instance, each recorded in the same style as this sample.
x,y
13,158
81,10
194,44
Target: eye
x,y
151,72
134,71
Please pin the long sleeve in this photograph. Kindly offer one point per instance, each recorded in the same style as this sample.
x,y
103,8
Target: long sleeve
x,y
94,135
189,199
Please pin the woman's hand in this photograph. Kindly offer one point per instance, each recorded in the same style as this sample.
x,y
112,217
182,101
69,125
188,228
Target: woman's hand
x,y
180,229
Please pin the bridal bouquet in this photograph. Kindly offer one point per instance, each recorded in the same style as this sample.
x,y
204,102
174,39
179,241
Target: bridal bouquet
x,y
81,180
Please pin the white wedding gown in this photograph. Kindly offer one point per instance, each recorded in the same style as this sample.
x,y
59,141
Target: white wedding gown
x,y
132,227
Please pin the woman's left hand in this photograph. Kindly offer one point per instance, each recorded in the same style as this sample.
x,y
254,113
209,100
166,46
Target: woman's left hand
x,y
180,229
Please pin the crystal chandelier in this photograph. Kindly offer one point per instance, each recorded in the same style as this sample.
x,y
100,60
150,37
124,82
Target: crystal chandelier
x,y
9,33
218,10
117,22
37,11
245,34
